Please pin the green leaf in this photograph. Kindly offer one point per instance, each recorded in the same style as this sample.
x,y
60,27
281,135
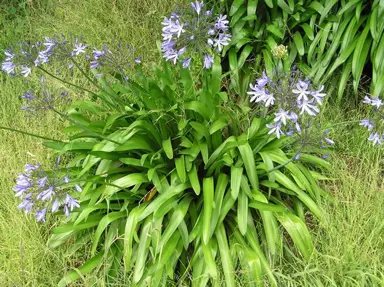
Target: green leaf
x,y
135,143
242,212
235,6
125,182
175,220
308,31
107,219
284,6
298,231
221,187
82,270
267,206
129,233
225,256
163,197
247,50
209,260
208,195
215,82
249,163
327,8
360,55
198,108
194,179
167,147
236,173
142,250
180,168
299,43
275,31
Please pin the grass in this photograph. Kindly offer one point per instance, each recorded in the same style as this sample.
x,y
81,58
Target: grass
x,y
350,243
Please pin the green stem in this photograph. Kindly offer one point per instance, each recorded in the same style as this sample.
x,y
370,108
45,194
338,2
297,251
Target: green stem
x,y
68,83
95,83
28,134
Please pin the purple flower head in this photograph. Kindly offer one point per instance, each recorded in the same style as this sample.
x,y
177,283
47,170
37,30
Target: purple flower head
x,y
186,63
367,124
221,41
197,6
302,91
375,123
71,203
261,82
282,116
309,108
376,139
138,60
8,55
196,30
42,181
55,205
40,215
25,71
275,129
318,95
8,67
222,23
43,192
208,61
78,188
79,49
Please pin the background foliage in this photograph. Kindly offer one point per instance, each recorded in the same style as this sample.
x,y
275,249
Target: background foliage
x,y
324,38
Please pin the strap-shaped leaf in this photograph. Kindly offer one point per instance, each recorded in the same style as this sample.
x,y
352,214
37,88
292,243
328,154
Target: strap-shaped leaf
x,y
104,222
225,256
298,231
236,174
242,212
208,195
249,163
82,270
176,218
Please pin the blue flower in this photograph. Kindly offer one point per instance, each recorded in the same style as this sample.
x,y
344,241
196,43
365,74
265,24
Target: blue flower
x,y
186,63
367,124
79,49
41,191
8,67
197,6
196,31
375,138
40,215
208,61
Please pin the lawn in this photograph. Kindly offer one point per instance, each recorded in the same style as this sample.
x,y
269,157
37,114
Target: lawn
x,y
349,244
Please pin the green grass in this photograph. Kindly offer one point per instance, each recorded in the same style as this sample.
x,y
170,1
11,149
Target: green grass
x,y
350,243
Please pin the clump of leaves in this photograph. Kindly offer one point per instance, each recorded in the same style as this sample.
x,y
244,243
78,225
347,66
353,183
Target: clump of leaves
x,y
323,37
183,180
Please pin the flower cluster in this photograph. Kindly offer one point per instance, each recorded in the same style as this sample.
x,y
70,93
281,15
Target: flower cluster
x,y
194,31
21,59
293,101
36,102
375,125
43,192
116,58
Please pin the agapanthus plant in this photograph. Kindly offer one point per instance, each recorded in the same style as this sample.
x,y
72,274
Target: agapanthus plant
x,y
44,192
375,125
292,102
184,178
194,31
